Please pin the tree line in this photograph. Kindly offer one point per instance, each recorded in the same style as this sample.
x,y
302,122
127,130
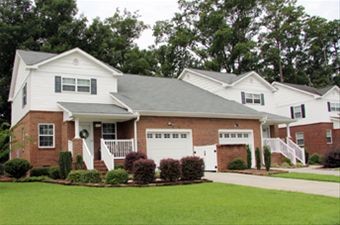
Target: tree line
x,y
276,38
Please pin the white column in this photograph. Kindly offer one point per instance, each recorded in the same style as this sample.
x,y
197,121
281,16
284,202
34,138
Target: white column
x,y
288,130
76,128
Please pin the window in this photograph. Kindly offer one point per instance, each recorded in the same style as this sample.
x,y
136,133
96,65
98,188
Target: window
x,y
150,135
239,135
175,135
183,135
253,98
158,135
24,95
297,112
46,135
109,131
233,135
300,141
69,84
334,107
245,135
226,135
329,136
79,85
83,85
166,135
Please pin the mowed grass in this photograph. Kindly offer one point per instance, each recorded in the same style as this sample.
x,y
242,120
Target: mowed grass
x,y
309,176
210,203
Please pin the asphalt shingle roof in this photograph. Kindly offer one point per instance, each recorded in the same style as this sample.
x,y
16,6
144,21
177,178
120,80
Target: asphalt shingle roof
x,y
227,78
32,57
312,90
93,108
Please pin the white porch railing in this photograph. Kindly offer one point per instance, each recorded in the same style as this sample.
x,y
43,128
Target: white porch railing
x,y
70,146
299,152
279,146
106,155
87,156
120,148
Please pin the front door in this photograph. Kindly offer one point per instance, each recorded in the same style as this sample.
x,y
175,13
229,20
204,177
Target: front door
x,y
86,133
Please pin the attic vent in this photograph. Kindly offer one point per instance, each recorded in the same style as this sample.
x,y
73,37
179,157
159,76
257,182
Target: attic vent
x,y
75,61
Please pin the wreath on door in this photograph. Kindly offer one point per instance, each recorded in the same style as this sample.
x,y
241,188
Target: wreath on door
x,y
84,134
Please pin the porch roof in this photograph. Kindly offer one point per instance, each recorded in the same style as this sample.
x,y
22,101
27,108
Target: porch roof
x,y
93,109
277,119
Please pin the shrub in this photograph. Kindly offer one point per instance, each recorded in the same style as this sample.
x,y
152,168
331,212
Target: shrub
x,y
258,158
131,158
39,171
118,176
237,164
170,169
332,159
248,157
75,175
192,168
54,173
267,157
287,161
90,176
2,169
119,167
65,164
33,179
314,159
79,162
17,167
144,171
306,157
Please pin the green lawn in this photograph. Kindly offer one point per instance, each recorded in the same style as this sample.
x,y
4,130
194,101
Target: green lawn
x,y
309,176
210,203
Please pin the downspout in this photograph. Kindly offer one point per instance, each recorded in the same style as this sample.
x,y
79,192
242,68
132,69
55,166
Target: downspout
x,y
263,121
135,131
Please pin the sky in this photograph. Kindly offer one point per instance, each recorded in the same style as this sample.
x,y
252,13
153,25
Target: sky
x,y
154,10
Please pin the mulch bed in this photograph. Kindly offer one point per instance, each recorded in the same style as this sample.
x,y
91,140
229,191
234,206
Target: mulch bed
x,y
257,172
6,179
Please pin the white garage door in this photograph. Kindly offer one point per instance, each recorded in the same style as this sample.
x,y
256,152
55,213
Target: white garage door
x,y
163,143
238,137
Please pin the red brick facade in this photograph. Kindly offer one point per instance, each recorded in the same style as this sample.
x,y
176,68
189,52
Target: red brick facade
x,y
315,137
227,153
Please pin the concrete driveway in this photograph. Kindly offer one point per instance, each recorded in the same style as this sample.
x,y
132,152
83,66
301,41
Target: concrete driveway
x,y
275,183
313,169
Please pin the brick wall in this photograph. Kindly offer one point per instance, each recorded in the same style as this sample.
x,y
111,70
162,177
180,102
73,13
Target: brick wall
x,y
315,137
227,153
204,130
277,158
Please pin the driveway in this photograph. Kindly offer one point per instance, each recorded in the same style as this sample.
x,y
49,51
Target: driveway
x,y
275,183
313,169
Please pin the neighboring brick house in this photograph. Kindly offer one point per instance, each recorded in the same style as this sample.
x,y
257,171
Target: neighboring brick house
x,y
317,115
74,102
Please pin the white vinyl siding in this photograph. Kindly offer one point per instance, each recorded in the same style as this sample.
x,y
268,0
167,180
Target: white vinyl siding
x,y
46,134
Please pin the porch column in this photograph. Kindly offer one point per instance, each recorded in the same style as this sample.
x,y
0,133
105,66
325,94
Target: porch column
x,y
288,130
76,128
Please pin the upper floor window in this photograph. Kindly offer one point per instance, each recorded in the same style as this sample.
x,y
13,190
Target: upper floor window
x,y
300,139
46,135
333,107
83,85
297,112
109,131
329,136
252,98
68,84
24,95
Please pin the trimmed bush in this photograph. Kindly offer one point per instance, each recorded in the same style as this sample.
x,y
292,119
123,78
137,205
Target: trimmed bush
x,y
119,167
17,167
192,168
237,164
248,157
79,162
2,169
131,158
90,176
65,164
267,157
54,173
39,171
332,159
75,176
258,158
33,179
144,171
170,169
314,159
118,176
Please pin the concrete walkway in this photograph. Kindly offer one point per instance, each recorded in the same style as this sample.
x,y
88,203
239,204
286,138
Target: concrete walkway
x,y
285,184
313,169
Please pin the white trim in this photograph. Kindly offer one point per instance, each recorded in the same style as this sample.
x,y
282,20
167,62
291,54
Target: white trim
x,y
334,87
46,147
160,130
295,89
14,76
201,75
91,136
253,73
78,50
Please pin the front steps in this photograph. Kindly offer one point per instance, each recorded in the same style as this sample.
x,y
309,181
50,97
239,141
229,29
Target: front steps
x,y
100,166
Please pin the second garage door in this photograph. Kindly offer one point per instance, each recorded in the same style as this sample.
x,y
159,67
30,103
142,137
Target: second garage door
x,y
164,143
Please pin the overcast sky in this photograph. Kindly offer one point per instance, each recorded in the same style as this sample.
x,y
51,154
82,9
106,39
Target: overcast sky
x,y
154,10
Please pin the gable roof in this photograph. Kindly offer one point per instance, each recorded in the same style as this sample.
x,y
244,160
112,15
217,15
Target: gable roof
x,y
307,89
152,95
34,57
93,108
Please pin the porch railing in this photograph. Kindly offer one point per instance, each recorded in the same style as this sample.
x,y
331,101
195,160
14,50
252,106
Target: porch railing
x,y
87,157
299,152
106,155
279,146
120,148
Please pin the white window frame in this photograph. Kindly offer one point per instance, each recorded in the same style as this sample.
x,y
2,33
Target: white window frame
x,y
76,85
297,138
297,110
24,95
48,135
334,106
252,97
115,134
329,135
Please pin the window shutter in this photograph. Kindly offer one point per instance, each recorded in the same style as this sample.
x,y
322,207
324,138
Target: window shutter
x,y
303,111
57,84
243,97
329,106
93,86
292,112
262,99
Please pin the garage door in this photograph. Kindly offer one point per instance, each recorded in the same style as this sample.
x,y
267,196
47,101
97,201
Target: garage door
x,y
238,137
168,144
